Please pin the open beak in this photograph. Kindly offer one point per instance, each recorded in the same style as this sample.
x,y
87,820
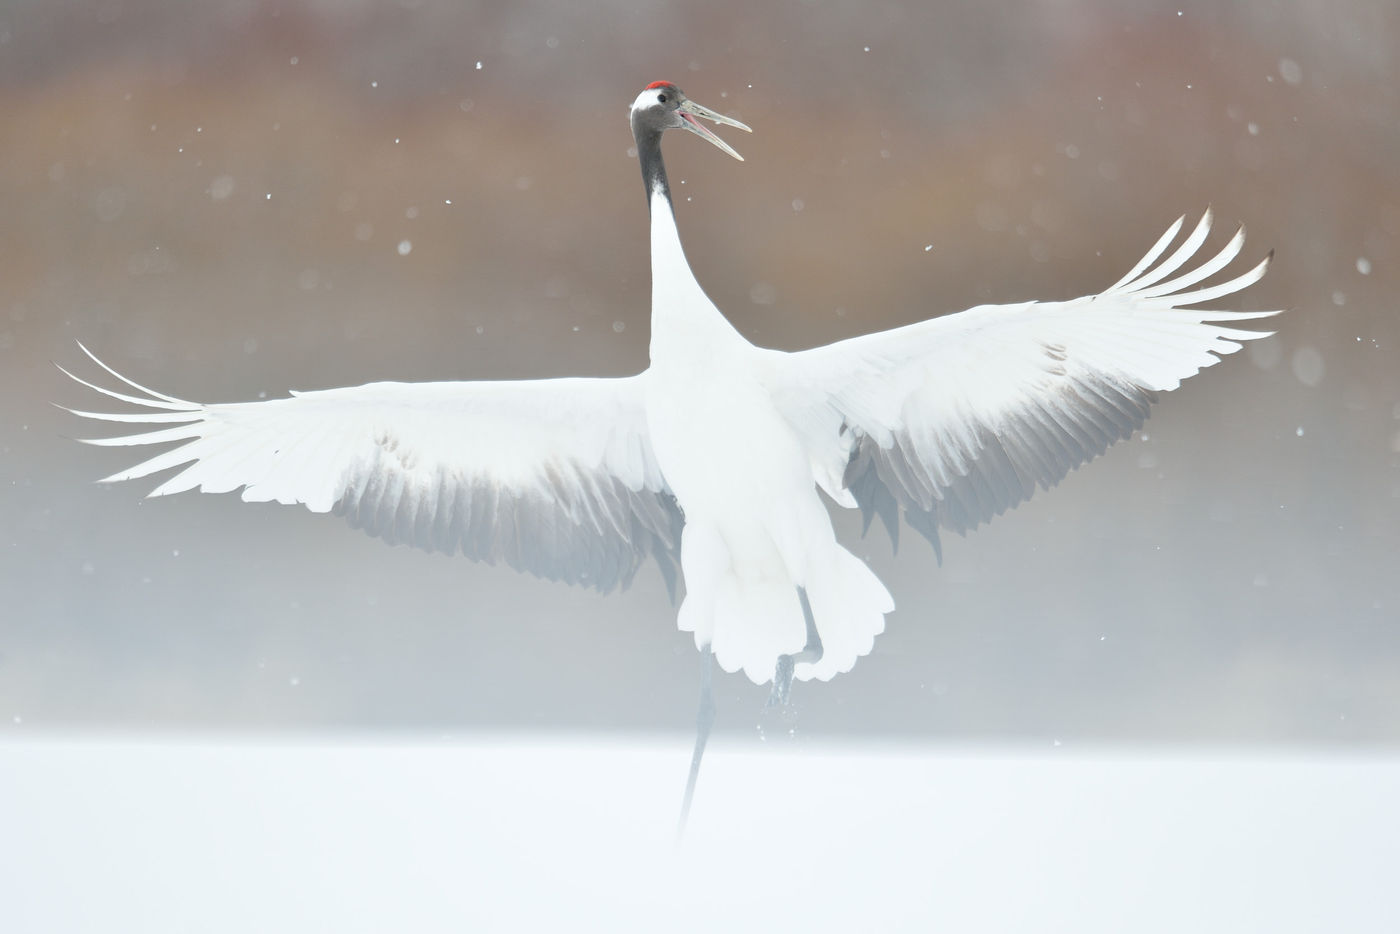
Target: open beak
x,y
689,111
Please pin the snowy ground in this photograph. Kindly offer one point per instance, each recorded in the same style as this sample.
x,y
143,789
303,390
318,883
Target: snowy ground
x,y
160,834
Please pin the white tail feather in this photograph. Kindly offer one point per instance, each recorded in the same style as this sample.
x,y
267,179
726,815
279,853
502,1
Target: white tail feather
x,y
755,621
849,605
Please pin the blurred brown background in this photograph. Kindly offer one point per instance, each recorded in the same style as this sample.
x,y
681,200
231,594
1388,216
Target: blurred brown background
x,y
226,200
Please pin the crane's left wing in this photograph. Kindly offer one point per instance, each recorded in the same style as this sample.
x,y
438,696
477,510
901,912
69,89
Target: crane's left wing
x,y
555,477
958,418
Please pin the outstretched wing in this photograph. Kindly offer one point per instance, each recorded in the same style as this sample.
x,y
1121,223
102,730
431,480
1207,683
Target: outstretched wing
x,y
958,418
555,477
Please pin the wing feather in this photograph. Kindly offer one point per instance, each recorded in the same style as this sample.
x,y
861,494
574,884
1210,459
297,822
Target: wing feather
x,y
1157,250
554,477
959,418
1171,264
1200,273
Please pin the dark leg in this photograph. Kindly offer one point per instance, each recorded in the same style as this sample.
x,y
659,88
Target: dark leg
x,y
812,652
704,719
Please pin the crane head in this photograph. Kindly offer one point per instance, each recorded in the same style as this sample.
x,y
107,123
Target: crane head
x,y
663,106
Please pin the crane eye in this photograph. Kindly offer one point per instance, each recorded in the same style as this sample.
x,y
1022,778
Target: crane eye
x,y
661,98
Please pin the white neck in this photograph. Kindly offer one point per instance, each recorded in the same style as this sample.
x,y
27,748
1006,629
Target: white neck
x,y
682,316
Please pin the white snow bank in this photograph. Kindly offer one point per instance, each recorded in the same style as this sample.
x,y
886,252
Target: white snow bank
x,y
158,834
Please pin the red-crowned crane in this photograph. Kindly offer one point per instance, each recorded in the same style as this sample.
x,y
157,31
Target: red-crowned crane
x,y
712,457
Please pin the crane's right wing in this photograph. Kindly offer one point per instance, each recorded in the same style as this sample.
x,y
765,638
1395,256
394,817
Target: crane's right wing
x,y
555,477
958,418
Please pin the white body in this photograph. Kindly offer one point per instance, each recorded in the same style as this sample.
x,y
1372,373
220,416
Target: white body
x,y
756,529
